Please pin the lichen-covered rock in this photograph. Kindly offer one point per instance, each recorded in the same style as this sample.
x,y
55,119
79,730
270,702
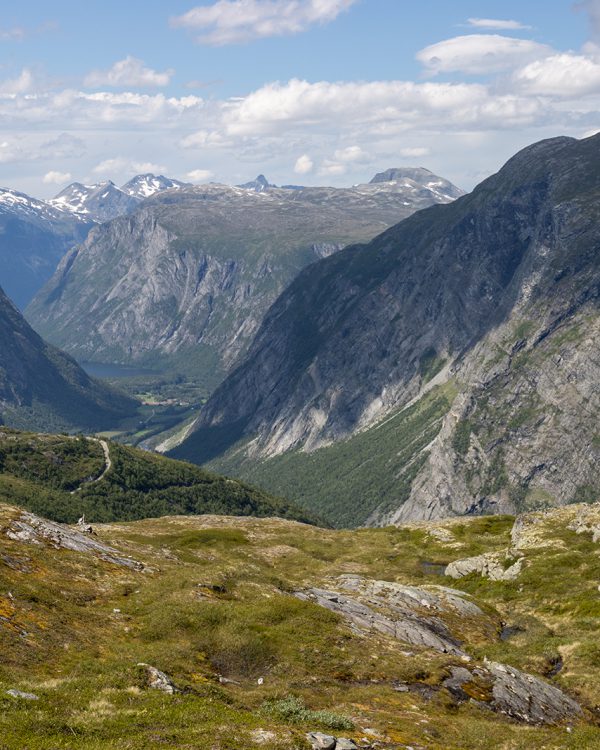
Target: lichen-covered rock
x,y
156,679
489,565
32,529
320,741
527,698
509,691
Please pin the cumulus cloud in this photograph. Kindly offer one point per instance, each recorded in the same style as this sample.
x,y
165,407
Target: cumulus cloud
x,y
56,178
235,21
199,175
128,72
565,76
120,165
351,154
478,54
496,23
381,107
304,164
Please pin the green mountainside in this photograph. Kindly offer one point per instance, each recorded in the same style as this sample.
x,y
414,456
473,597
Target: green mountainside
x,y
349,480
498,293
64,477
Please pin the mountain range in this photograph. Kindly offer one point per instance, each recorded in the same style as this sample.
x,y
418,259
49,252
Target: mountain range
x,y
35,234
184,280
450,366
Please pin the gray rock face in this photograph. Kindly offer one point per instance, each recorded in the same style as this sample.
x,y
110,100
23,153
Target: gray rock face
x,y
529,699
188,277
502,285
509,691
32,529
407,613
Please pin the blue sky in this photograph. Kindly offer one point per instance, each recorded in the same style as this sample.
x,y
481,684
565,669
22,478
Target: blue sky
x,y
306,91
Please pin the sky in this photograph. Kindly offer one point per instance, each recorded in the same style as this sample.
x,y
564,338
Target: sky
x,y
311,92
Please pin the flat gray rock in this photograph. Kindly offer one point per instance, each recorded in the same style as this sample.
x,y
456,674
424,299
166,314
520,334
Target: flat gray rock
x,y
32,529
23,696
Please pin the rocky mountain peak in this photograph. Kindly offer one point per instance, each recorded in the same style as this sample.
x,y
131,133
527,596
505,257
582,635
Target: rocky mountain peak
x,y
259,185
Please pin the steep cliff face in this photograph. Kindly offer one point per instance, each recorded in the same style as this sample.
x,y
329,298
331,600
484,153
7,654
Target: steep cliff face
x,y
497,291
187,278
42,387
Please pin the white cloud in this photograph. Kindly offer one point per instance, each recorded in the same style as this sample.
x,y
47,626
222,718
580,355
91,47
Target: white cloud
x,y
20,85
199,175
351,154
480,54
566,76
16,34
304,164
128,72
381,108
203,139
235,21
332,168
496,23
120,165
56,178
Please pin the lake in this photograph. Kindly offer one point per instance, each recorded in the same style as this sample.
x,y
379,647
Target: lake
x,y
109,370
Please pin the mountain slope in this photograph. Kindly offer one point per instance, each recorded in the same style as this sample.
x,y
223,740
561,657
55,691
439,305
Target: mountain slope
x,y
499,289
220,632
43,388
185,280
63,478
33,238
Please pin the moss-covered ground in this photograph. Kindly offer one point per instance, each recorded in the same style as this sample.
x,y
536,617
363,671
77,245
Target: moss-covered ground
x,y
258,667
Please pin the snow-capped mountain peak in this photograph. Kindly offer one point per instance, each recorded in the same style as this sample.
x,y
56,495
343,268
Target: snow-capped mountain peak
x,y
145,185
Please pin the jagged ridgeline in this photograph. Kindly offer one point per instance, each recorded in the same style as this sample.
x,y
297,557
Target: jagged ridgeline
x,y
449,366
63,477
182,283
44,389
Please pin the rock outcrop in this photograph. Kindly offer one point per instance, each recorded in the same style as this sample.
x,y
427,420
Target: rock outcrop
x,y
32,529
408,613
490,565
509,691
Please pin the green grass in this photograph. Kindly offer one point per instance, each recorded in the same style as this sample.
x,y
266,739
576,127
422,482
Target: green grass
x,y
214,604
